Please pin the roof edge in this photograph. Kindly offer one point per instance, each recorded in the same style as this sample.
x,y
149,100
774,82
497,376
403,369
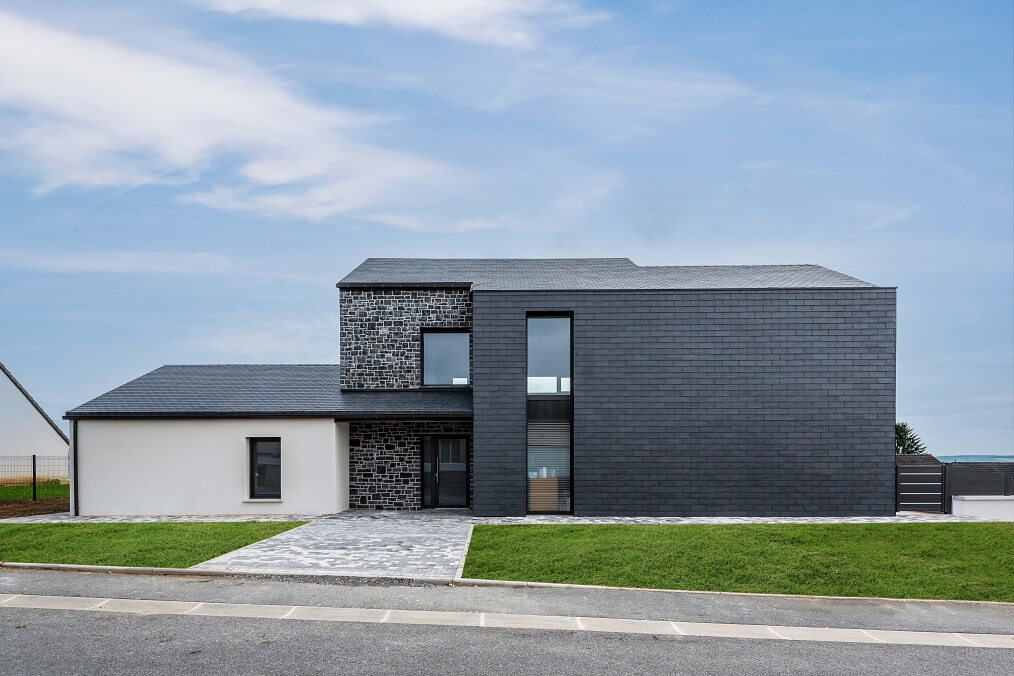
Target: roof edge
x,y
34,403
251,415
404,285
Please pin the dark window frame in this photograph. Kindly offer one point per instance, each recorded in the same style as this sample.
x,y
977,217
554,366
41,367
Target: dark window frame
x,y
468,469
251,443
423,330
569,314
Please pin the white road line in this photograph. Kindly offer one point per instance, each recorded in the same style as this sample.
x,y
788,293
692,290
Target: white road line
x,y
965,638
878,640
535,622
777,635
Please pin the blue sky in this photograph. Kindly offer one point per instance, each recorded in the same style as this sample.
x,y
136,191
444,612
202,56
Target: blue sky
x,y
185,182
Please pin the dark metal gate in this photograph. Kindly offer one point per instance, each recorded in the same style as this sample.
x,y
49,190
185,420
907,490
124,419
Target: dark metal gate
x,y
920,486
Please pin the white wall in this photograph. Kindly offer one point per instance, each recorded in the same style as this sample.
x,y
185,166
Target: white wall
x,y
25,431
997,507
201,466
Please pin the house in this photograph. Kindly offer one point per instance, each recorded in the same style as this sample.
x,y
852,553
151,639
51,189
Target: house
x,y
27,430
584,386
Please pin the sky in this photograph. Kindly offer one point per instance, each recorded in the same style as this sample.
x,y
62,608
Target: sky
x,y
184,182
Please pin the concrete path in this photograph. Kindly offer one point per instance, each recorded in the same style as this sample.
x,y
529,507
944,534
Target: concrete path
x,y
246,634
179,518
430,544
506,621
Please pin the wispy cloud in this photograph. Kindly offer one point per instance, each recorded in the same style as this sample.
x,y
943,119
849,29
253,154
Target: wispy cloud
x,y
285,340
508,23
86,111
138,262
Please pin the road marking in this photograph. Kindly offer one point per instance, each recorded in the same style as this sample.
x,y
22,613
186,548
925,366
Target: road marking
x,y
506,620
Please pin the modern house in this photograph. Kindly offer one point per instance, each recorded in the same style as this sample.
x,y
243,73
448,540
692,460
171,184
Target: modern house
x,y
27,430
584,386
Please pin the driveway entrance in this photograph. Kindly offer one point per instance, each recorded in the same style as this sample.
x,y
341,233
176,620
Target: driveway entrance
x,y
361,544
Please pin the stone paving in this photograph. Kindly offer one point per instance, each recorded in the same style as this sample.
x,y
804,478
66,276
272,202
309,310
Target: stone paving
x,y
359,544
900,517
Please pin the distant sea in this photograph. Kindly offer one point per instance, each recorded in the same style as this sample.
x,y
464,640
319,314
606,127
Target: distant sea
x,y
975,458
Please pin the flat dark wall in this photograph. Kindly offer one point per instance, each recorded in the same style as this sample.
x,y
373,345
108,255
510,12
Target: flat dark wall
x,y
753,402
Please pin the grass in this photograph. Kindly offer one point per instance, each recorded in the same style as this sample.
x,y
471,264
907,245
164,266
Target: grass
x,y
168,545
46,489
972,561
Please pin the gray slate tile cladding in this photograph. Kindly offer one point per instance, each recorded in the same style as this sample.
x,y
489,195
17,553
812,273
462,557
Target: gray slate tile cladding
x,y
698,403
385,458
380,332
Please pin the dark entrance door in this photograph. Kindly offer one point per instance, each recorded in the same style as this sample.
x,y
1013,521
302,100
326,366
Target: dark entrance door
x,y
445,471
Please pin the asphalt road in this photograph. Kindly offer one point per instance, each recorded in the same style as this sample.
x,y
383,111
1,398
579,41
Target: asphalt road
x,y
53,641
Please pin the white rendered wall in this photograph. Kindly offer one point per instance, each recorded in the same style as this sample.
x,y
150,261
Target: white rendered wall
x,y
201,466
341,431
25,431
997,507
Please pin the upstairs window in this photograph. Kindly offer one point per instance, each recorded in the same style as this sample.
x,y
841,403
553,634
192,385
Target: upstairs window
x,y
549,355
445,357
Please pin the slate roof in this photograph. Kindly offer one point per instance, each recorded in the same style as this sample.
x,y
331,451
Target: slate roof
x,y
265,390
529,274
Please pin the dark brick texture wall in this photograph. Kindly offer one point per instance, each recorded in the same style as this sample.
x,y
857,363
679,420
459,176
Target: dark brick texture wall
x,y
385,461
380,332
759,402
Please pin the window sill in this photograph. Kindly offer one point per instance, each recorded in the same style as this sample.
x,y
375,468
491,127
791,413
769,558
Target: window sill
x,y
263,500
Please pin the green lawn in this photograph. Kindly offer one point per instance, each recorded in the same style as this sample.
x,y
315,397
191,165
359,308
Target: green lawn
x,y
934,561
47,489
166,545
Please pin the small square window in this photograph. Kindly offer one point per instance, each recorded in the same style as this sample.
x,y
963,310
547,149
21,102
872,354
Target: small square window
x,y
445,357
266,468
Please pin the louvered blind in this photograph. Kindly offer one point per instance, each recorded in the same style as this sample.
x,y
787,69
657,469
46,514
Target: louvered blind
x,y
548,466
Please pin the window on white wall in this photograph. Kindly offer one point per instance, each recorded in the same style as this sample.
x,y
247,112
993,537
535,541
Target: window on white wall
x,y
266,468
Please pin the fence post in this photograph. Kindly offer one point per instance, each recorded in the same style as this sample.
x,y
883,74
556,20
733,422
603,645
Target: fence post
x,y
35,477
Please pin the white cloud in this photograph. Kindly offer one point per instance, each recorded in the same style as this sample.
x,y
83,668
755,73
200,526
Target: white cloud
x,y
141,262
284,340
84,111
117,261
510,23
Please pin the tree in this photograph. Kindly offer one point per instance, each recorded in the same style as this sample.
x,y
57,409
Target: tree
x,y
906,441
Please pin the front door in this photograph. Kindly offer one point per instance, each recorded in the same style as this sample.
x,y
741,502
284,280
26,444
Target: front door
x,y
445,471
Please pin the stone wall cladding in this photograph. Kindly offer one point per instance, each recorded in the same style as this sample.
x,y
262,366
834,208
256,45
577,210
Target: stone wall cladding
x,y
380,332
698,403
385,461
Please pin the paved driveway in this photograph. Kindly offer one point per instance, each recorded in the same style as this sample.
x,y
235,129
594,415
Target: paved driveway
x,y
361,544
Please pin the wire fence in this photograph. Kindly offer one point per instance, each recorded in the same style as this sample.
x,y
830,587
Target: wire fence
x,y
33,477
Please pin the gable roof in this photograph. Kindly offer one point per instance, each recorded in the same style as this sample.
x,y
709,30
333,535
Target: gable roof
x,y
34,403
531,274
265,390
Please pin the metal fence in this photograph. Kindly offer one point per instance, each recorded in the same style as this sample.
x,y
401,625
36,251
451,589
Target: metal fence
x,y
33,477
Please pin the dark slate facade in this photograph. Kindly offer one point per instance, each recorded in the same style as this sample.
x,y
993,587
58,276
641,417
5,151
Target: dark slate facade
x,y
700,402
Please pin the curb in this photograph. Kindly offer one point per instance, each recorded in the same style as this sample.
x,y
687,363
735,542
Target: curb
x,y
456,581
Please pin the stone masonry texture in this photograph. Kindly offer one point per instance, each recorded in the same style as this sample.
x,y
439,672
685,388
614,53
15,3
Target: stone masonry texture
x,y
380,333
385,461
700,403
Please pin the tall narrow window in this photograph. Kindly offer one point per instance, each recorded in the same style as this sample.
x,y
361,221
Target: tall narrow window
x,y
550,412
266,468
445,357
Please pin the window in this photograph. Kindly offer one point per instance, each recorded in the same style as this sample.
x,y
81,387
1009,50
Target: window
x,y
266,468
549,355
445,357
550,414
